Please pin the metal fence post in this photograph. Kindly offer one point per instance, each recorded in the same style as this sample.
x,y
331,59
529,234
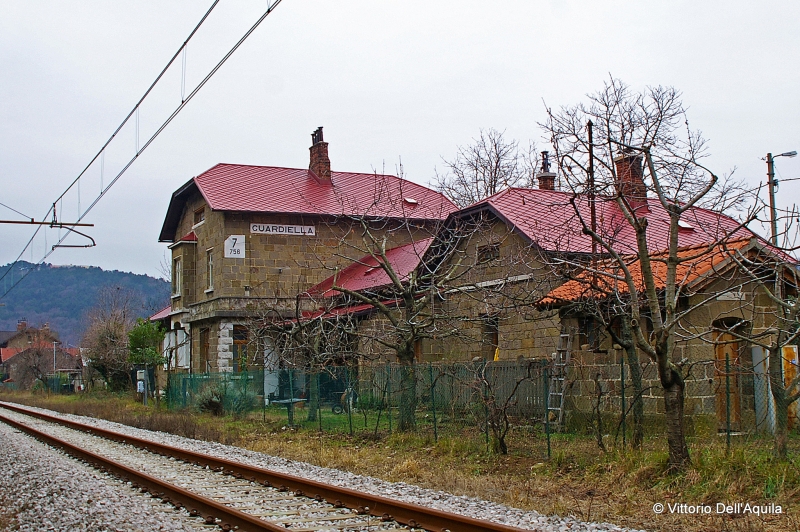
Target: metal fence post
x,y
485,402
433,403
183,390
389,394
728,400
547,409
348,401
319,400
622,385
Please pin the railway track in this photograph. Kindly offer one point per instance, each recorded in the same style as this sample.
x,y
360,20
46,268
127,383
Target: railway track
x,y
230,495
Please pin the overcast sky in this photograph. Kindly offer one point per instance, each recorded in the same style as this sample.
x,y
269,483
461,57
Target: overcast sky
x,y
389,80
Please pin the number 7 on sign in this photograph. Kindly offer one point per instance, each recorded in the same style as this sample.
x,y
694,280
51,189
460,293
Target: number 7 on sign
x,y
234,247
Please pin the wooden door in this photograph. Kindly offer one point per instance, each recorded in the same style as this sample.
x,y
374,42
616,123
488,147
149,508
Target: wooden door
x,y
727,348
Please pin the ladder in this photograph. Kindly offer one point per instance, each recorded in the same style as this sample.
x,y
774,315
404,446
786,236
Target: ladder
x,y
558,379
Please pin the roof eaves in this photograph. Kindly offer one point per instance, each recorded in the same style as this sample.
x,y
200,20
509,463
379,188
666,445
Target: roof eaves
x,y
174,211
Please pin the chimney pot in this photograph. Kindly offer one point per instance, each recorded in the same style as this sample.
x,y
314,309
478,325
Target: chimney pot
x,y
630,176
319,162
547,180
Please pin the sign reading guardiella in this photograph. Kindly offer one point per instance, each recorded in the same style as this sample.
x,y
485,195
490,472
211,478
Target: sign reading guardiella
x,y
273,229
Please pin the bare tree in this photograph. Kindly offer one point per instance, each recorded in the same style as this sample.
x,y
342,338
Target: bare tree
x,y
499,397
314,342
487,166
644,158
406,304
106,335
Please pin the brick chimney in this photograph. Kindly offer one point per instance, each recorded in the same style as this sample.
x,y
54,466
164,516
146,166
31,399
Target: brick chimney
x,y
319,164
630,177
546,178
22,324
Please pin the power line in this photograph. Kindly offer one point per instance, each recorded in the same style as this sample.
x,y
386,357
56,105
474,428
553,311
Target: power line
x,y
270,8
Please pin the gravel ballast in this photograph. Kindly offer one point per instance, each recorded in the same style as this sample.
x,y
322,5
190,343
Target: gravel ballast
x,y
43,489
56,480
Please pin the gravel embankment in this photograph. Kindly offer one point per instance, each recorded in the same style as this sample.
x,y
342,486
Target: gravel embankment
x,y
43,489
435,499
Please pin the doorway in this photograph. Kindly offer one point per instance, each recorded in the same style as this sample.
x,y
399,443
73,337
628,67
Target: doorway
x,y
727,369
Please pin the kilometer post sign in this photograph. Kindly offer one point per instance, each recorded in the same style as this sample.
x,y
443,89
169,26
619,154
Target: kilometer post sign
x,y
234,247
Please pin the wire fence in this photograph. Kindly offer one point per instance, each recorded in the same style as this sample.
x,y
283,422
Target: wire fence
x,y
497,402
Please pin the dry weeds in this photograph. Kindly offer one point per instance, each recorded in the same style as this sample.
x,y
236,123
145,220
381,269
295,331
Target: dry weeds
x,y
579,479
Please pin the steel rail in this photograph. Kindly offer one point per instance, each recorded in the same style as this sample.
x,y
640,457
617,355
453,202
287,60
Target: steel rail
x,y
167,492
406,513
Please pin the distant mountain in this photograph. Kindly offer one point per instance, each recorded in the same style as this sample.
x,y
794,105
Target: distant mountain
x,y
63,295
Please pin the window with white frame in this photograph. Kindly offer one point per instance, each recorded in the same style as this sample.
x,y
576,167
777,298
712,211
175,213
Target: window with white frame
x,y
209,269
177,272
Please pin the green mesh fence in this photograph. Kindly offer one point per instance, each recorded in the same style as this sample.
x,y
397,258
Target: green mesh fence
x,y
482,402
432,399
218,393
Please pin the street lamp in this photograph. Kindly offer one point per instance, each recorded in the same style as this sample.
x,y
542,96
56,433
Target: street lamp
x,y
773,215
54,358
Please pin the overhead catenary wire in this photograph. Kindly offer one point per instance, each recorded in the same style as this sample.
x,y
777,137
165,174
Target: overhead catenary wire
x,y
101,152
15,210
270,8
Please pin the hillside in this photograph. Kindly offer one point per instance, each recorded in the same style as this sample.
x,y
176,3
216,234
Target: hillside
x,y
62,295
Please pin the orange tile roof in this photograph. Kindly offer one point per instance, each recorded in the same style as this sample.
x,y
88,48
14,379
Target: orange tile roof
x,y
608,277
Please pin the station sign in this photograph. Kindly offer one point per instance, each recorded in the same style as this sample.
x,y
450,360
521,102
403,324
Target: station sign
x,y
275,229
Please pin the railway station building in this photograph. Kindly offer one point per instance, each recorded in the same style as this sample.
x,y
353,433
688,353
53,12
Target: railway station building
x,y
256,243
246,240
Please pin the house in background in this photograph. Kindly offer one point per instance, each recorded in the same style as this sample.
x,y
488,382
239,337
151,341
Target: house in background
x,y
30,353
24,335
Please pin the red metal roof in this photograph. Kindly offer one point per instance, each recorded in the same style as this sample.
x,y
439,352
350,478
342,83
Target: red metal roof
x,y
549,219
269,189
235,187
161,314
367,273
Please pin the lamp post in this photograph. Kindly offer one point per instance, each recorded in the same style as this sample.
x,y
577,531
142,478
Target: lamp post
x,y
771,184
54,358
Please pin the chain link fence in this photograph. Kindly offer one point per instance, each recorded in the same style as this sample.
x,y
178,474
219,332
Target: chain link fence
x,y
727,400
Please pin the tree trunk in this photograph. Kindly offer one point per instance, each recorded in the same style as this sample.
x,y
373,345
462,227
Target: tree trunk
x,y
408,397
673,406
313,397
635,371
499,445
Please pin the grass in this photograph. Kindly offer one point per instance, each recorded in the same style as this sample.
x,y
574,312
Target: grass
x,y
579,479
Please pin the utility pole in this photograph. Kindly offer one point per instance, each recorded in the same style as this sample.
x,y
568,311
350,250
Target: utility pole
x,y
773,215
771,186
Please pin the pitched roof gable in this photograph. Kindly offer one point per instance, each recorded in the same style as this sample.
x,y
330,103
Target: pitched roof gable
x,y
268,189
